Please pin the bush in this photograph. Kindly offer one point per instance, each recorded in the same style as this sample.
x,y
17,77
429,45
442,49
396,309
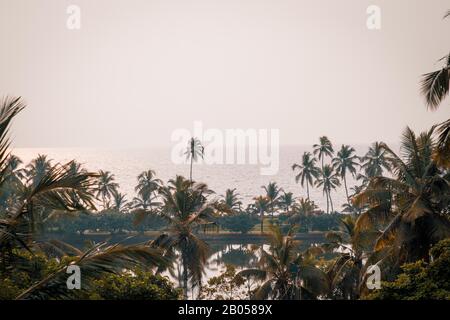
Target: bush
x,y
421,280
139,285
241,222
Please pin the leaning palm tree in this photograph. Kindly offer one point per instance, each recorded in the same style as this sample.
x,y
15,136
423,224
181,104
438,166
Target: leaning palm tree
x,y
99,260
435,88
195,150
415,201
328,180
273,193
105,187
323,149
307,171
186,207
345,163
286,273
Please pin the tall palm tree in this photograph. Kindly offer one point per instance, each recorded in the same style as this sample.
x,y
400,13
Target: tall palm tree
x,y
286,273
186,207
323,149
262,204
375,161
308,171
106,186
273,193
416,200
345,163
194,150
328,180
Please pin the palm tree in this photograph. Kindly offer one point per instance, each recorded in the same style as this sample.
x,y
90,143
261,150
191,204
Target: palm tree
x,y
323,149
98,260
106,187
146,188
435,88
328,180
231,200
307,171
194,151
119,200
286,201
345,162
286,273
352,247
37,168
261,205
272,193
414,202
375,161
186,207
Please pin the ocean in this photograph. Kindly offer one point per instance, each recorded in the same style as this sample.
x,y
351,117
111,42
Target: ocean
x,y
126,164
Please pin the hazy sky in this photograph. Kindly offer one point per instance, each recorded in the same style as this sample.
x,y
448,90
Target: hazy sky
x,y
139,69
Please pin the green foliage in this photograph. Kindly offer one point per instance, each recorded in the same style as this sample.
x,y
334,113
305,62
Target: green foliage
x,y
421,280
226,286
111,221
138,285
28,269
239,223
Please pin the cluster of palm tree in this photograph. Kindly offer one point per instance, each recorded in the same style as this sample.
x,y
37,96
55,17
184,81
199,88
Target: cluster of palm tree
x,y
329,176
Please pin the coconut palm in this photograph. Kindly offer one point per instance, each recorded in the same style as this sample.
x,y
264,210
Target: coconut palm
x,y
148,184
375,162
105,187
352,247
435,88
307,171
273,193
328,180
415,202
286,201
323,149
37,168
262,204
195,150
186,207
231,200
120,202
345,162
286,273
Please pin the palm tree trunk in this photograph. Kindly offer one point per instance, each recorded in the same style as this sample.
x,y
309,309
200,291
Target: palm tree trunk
x,y
346,190
331,201
190,173
262,221
307,190
185,279
328,204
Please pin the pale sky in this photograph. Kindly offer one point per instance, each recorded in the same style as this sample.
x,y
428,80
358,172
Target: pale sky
x,y
140,69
